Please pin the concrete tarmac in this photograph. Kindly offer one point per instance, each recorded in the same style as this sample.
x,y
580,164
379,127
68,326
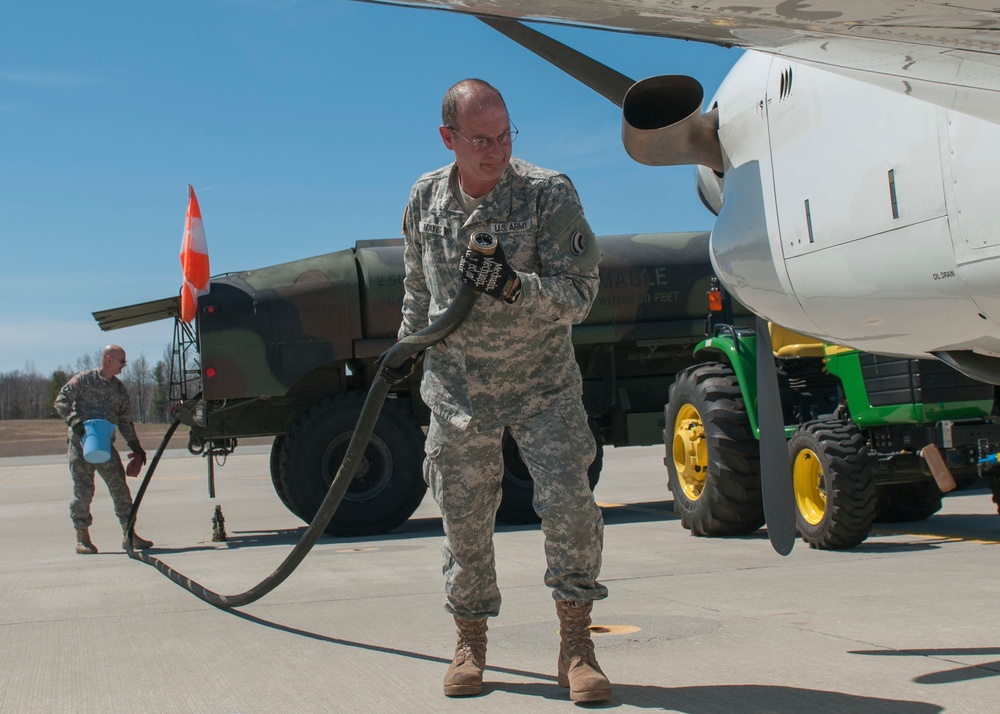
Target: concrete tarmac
x,y
907,623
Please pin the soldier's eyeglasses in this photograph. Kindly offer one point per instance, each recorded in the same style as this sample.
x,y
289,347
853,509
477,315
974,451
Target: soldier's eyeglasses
x,y
483,143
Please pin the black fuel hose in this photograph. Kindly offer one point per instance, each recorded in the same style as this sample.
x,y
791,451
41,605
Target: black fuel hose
x,y
448,322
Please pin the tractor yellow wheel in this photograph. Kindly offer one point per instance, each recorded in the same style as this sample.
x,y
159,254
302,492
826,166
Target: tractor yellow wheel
x,y
832,479
810,492
712,456
690,453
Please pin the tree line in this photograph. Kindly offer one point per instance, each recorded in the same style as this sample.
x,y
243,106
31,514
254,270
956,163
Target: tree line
x,y
28,394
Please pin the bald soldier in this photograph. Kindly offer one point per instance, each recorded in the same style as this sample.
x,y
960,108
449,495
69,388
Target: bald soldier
x,y
511,365
99,394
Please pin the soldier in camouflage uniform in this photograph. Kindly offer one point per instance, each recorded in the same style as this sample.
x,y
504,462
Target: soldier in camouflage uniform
x,y
99,394
510,365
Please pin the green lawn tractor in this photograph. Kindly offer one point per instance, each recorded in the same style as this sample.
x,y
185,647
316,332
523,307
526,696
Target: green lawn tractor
x,y
870,438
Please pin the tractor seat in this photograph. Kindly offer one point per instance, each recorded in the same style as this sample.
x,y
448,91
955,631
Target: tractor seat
x,y
786,343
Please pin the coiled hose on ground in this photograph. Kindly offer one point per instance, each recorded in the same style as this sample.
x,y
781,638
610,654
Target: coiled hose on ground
x,y
410,345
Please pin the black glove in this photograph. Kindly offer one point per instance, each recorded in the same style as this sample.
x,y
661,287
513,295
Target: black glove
x,y
490,274
77,426
396,375
138,452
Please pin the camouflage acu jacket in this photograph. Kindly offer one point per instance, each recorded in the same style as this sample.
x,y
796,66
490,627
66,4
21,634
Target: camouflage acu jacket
x,y
507,361
88,395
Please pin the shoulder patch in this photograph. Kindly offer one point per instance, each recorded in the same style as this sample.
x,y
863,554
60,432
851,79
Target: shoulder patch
x,y
578,241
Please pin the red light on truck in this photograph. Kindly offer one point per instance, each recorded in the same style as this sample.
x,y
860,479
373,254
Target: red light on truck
x,y
715,300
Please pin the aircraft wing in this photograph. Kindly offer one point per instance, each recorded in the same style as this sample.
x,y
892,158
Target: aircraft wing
x,y
945,54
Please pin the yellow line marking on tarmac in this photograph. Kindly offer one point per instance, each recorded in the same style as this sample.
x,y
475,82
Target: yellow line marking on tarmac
x,y
937,537
875,531
633,507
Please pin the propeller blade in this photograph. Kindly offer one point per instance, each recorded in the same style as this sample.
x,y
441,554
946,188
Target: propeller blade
x,y
775,469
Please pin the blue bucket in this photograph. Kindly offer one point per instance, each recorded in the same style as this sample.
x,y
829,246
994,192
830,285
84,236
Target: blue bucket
x,y
97,440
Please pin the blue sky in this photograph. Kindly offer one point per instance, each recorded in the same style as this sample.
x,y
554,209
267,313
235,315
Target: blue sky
x,y
301,124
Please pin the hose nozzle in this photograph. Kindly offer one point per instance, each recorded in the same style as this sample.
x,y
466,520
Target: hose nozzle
x,y
483,242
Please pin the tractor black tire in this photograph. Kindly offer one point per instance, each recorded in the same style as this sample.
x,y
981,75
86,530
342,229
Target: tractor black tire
x,y
833,485
902,502
279,486
389,484
712,455
516,506
994,482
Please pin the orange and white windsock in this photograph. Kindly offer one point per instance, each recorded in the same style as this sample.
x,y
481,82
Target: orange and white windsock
x,y
194,259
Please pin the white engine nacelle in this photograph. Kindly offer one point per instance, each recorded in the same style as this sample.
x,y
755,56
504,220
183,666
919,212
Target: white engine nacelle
x,y
855,214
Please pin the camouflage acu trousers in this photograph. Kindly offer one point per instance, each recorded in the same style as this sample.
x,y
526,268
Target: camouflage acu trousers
x,y
83,484
464,470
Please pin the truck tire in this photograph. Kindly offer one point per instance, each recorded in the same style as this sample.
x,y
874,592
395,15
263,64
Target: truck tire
x,y
901,502
518,489
279,486
389,484
712,455
995,490
834,490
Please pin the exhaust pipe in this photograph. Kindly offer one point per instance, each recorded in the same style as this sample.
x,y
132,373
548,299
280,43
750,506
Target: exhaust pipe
x,y
662,124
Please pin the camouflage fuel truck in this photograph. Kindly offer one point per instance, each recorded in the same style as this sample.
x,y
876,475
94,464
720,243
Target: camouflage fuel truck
x,y
290,350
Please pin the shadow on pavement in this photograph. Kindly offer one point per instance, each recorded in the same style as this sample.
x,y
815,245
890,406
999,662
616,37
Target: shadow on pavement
x,y
708,699
948,676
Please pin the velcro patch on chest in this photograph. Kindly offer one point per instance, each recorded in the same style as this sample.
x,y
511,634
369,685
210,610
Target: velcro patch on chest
x,y
432,228
512,227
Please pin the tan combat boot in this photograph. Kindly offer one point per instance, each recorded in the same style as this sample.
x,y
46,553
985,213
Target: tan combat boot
x,y
137,542
465,675
83,544
578,668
